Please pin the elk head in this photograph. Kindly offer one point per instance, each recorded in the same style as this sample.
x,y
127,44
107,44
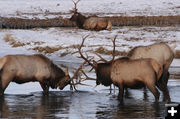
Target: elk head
x,y
77,17
64,81
102,69
69,80
74,11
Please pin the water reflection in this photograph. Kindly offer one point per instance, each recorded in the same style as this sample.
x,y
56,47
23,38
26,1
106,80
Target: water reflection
x,y
132,108
35,105
86,105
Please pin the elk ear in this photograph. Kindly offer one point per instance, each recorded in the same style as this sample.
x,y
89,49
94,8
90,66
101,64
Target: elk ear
x,y
95,64
66,72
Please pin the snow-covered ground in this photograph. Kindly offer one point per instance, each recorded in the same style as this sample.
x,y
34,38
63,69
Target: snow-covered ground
x,y
68,39
54,8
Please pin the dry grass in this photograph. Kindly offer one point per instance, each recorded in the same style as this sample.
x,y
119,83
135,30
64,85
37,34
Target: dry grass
x,y
47,49
8,38
102,50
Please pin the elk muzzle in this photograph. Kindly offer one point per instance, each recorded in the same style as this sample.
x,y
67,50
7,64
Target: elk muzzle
x,y
63,82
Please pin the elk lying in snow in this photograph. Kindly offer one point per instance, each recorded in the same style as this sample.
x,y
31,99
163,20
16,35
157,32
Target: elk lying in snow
x,y
161,52
26,68
127,73
90,23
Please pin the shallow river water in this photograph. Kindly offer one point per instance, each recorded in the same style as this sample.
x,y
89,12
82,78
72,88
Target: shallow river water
x,y
99,104
26,101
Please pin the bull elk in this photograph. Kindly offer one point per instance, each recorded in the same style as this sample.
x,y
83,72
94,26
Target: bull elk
x,y
127,73
90,23
161,52
27,68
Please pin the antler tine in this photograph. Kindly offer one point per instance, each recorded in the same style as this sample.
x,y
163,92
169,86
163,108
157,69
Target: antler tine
x,y
79,83
72,85
81,55
87,77
77,71
101,58
114,46
75,5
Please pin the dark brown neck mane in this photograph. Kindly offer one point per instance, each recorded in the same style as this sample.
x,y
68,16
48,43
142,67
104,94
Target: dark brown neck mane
x,y
103,74
80,20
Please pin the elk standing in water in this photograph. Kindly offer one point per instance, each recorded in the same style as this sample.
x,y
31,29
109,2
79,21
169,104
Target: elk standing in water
x,y
90,23
127,73
162,53
26,68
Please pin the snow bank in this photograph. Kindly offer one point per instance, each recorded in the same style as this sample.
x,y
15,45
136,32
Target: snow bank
x,y
54,8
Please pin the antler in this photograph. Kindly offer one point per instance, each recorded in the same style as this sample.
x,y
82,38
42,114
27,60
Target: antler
x,y
81,55
113,52
114,46
75,76
87,77
75,5
101,58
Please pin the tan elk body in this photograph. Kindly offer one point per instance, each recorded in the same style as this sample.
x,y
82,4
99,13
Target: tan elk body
x,y
26,68
128,73
91,22
161,52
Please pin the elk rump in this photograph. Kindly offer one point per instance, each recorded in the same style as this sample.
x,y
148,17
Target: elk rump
x,y
27,68
163,54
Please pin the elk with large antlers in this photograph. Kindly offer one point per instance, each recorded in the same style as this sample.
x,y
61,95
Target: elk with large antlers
x,y
127,73
90,23
27,68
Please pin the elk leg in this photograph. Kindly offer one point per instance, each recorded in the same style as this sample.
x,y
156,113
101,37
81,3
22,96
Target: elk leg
x,y
145,93
165,91
166,94
154,91
45,88
4,82
165,75
1,89
121,93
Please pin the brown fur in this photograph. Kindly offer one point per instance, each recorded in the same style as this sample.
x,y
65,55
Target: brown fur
x,y
26,68
91,23
162,53
127,73
130,73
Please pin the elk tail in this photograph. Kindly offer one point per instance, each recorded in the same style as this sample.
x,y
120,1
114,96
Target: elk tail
x,y
109,25
157,67
173,49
